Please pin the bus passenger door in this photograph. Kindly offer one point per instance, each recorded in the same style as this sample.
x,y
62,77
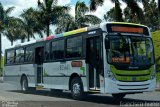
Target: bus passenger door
x,y
93,56
39,64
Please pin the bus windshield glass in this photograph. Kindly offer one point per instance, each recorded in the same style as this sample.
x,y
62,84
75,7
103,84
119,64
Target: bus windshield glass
x,y
130,52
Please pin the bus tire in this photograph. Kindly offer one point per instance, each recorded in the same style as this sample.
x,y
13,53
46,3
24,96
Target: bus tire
x,y
119,96
24,84
77,88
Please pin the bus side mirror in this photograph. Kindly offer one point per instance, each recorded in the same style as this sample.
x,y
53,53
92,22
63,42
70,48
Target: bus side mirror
x,y
107,43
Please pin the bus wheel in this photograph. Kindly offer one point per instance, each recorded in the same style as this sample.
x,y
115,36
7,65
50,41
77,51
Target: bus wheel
x,y
119,96
77,88
24,84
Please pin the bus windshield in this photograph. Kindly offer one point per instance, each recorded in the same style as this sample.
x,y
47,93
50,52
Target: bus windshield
x,y
130,52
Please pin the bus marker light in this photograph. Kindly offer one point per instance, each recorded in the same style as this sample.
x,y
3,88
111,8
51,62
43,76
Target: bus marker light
x,y
49,38
59,35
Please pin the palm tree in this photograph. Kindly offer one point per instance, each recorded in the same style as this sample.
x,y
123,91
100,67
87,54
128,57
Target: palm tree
x,y
115,13
65,24
152,15
81,19
129,17
31,24
95,3
135,9
15,30
3,21
132,4
50,13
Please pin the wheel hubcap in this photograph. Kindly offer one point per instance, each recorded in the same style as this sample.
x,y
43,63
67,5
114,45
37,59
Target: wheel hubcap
x,y
76,88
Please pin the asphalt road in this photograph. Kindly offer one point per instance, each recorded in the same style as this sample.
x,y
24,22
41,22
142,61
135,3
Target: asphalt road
x,y
11,97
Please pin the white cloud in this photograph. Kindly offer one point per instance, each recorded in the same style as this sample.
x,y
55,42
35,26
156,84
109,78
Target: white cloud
x,y
123,5
64,2
5,43
72,11
20,5
101,10
9,2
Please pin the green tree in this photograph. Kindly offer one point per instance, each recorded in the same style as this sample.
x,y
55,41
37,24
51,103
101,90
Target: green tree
x,y
95,3
129,17
152,16
15,30
31,23
115,13
4,16
110,16
133,8
81,19
50,13
65,24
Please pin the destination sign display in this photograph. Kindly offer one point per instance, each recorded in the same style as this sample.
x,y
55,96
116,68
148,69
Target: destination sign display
x,y
127,28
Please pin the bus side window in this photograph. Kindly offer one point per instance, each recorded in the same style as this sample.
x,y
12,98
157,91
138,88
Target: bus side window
x,y
29,54
19,56
10,57
57,50
74,47
47,51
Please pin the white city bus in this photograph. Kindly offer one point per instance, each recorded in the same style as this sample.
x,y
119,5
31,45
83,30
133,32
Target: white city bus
x,y
115,58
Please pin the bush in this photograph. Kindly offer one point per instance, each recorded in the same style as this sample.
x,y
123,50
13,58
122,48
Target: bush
x,y
158,76
156,43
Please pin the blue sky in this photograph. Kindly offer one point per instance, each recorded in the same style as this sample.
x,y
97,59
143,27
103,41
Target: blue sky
x,y
74,1
14,2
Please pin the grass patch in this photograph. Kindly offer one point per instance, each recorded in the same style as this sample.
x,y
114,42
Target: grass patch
x,y
156,43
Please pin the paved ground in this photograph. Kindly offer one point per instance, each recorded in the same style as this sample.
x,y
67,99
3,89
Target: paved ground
x,y
1,79
9,95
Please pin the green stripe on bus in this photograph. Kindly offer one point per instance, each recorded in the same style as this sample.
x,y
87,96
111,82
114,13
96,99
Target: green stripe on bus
x,y
83,70
129,72
132,78
128,75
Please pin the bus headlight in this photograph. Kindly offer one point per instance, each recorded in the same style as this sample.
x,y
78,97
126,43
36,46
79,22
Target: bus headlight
x,y
110,75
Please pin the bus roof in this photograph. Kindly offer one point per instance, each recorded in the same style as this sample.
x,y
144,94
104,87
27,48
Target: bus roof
x,y
126,23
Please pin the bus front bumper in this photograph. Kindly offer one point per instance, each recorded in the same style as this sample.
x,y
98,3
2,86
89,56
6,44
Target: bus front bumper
x,y
114,87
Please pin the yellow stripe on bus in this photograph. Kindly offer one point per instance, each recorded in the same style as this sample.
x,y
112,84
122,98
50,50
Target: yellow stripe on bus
x,y
75,31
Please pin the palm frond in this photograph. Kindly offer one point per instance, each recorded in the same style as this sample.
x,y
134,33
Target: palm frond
x,y
81,7
133,5
95,3
91,19
9,10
